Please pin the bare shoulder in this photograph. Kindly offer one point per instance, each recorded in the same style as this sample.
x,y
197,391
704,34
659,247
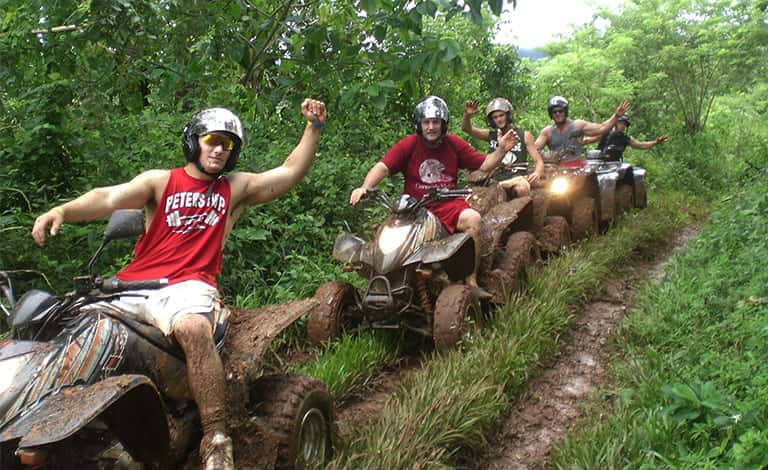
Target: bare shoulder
x,y
579,123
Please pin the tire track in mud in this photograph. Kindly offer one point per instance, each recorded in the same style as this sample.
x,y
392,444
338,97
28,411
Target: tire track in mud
x,y
363,407
554,400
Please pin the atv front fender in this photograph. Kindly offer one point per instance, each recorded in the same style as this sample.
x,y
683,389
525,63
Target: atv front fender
x,y
455,253
129,404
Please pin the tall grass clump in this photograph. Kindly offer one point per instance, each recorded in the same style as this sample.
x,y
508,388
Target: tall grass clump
x,y
692,379
451,404
350,362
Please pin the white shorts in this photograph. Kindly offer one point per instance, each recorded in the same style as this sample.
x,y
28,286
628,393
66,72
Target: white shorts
x,y
164,307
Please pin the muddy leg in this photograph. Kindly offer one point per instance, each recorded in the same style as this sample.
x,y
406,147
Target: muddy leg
x,y
469,221
205,373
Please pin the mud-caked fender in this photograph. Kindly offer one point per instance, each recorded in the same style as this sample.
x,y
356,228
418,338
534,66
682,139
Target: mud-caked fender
x,y
455,254
501,221
129,404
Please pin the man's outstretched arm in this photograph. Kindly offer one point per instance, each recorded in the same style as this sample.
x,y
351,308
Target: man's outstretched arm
x,y
100,202
264,187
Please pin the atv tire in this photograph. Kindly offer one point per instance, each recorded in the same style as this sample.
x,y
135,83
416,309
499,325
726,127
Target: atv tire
x,y
584,218
623,198
457,315
327,319
555,236
298,410
520,252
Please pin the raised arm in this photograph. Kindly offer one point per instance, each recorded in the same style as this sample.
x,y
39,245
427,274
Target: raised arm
x,y
373,178
592,129
470,108
257,188
101,202
648,144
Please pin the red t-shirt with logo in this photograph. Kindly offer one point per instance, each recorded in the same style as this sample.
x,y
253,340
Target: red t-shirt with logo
x,y
425,168
184,240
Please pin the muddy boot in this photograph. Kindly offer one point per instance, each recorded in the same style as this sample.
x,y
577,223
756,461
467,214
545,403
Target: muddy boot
x,y
218,453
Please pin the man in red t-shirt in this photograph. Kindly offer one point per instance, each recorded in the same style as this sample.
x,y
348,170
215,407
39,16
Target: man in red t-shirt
x,y
190,212
431,158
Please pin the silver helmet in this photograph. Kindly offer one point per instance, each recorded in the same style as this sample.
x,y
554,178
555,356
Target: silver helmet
x,y
557,102
428,108
212,120
498,104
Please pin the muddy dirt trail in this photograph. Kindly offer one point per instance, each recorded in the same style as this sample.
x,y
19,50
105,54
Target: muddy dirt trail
x,y
555,399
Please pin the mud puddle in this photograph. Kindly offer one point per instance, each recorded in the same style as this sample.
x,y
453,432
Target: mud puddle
x,y
554,401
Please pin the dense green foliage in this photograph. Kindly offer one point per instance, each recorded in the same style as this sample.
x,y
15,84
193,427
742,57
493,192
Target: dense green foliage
x,y
692,373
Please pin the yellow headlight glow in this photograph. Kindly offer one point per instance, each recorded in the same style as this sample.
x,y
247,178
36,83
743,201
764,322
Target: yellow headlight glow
x,y
392,237
559,186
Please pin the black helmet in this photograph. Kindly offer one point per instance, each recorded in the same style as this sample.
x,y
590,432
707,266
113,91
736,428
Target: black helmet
x,y
498,104
207,121
557,102
430,107
624,118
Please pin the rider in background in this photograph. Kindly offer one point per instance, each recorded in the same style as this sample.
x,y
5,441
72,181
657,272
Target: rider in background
x,y
615,142
564,137
431,158
190,211
499,116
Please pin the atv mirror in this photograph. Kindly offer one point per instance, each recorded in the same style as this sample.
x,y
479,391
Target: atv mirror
x,y
124,223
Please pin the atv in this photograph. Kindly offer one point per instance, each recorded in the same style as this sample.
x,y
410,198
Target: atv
x,y
628,184
415,272
84,384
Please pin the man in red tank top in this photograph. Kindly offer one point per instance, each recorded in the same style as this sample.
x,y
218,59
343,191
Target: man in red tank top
x,y
431,158
190,212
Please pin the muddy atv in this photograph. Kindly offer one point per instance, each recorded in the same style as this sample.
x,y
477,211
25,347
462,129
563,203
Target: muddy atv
x,y
508,231
573,193
622,185
86,385
415,275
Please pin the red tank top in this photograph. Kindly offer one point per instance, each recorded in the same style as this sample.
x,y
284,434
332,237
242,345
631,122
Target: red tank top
x,y
184,241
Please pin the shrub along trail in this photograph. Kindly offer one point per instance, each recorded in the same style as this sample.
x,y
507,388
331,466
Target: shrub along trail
x,y
554,401
442,412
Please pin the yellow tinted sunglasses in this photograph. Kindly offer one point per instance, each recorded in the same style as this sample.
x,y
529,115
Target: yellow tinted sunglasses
x,y
214,140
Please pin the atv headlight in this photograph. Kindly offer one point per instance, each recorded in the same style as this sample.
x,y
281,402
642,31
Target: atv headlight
x,y
559,185
9,368
392,238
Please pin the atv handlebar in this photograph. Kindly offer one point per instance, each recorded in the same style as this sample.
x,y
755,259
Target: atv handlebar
x,y
111,285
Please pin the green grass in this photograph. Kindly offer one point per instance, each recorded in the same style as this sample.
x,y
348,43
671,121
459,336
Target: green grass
x,y
349,363
691,375
449,406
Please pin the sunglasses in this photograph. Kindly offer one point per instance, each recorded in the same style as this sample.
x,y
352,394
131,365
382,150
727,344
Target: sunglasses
x,y
214,140
558,111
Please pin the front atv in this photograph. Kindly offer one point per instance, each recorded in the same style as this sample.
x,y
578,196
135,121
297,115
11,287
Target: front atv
x,y
408,264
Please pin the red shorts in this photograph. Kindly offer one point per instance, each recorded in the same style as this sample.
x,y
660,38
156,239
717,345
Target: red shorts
x,y
574,164
448,212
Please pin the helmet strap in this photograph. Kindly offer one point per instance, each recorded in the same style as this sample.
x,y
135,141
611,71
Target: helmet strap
x,y
199,166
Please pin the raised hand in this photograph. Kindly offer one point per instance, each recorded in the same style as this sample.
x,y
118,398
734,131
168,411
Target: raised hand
x,y
314,110
623,107
471,107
